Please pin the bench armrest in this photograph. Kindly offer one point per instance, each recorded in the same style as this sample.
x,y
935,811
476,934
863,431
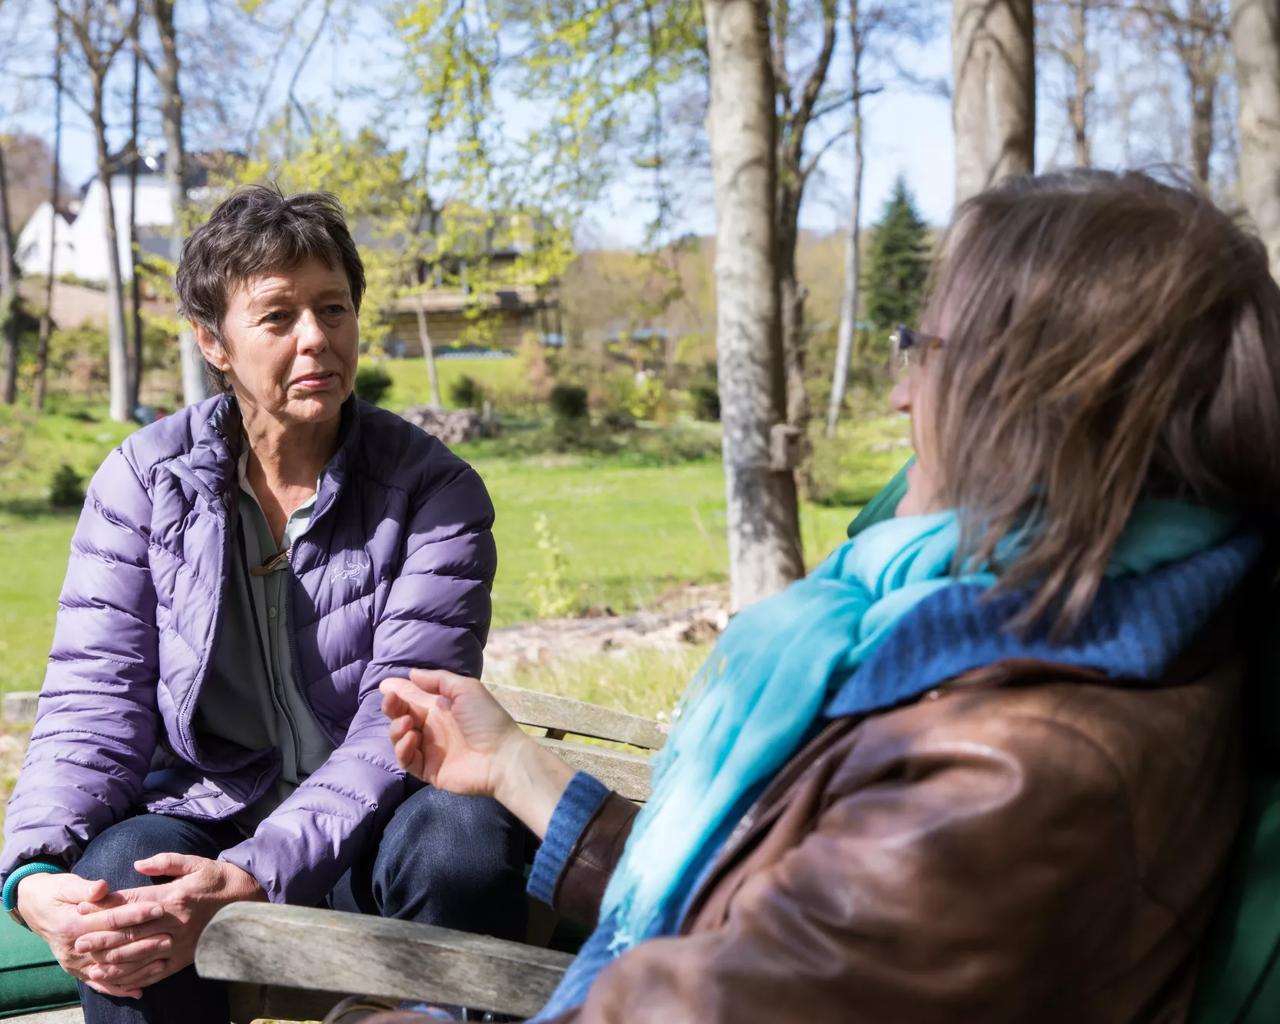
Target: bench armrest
x,y
325,950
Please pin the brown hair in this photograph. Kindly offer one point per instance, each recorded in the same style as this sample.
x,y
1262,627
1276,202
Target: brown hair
x,y
254,230
1108,337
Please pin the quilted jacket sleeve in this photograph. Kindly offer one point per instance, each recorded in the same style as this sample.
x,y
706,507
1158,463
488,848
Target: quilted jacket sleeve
x,y
97,720
436,615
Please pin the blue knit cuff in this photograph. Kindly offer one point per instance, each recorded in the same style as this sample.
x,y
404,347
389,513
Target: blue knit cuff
x,y
577,806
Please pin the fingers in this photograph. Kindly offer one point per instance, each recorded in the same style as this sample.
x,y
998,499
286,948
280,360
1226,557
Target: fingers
x,y
172,865
400,726
134,949
406,698
112,990
75,889
128,978
118,918
96,942
407,754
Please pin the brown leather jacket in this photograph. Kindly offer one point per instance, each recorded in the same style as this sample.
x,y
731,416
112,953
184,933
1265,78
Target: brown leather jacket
x,y
1027,843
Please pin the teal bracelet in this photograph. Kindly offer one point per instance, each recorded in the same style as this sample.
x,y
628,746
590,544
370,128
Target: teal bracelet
x,y
9,894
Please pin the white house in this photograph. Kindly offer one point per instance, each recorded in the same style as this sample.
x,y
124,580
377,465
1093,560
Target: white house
x,y
45,228
81,246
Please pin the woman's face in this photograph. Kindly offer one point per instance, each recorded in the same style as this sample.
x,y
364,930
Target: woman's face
x,y
911,395
289,344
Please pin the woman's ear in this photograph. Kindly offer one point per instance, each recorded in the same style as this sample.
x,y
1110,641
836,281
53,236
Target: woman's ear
x,y
211,348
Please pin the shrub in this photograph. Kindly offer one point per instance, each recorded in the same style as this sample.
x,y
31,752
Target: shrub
x,y
372,383
706,402
568,403
648,399
466,393
67,488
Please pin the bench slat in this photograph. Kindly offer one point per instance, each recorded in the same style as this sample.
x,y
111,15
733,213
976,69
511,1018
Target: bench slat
x,y
626,774
298,946
547,711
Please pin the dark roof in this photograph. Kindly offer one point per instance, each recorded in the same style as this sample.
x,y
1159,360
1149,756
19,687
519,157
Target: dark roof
x,y
199,166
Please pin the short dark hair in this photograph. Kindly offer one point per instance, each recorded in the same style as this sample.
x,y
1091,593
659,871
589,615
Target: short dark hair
x,y
258,229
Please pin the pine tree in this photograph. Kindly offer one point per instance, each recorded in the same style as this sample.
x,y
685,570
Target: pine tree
x,y
899,262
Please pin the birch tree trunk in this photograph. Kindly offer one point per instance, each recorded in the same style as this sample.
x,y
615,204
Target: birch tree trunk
x,y
993,105
852,241
46,321
135,286
8,292
194,382
1255,36
117,344
764,533
428,350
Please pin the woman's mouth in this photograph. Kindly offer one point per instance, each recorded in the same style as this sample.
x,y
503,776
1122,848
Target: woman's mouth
x,y
314,381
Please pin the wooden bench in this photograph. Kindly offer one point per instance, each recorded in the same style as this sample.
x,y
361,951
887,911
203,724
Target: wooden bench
x,y
295,963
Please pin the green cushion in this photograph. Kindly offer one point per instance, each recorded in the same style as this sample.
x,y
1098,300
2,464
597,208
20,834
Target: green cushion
x,y
30,978
1240,979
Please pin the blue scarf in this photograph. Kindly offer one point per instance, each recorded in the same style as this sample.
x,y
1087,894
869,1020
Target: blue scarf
x,y
767,680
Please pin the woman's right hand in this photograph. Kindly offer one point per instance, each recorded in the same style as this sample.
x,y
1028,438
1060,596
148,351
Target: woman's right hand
x,y
449,731
48,904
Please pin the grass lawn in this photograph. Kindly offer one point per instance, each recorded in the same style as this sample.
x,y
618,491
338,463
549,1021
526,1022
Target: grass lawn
x,y
500,377
626,530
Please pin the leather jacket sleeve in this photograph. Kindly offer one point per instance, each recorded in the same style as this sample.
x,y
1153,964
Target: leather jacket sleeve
x,y
970,873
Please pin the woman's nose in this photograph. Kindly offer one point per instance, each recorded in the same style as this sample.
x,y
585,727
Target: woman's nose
x,y
900,396
311,335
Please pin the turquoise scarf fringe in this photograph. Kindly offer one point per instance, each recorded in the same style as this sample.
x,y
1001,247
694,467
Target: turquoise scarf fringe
x,y
764,684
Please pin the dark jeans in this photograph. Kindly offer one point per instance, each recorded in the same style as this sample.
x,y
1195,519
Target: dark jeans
x,y
455,861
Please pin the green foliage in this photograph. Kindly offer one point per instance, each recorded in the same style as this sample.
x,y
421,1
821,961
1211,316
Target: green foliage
x,y
568,403
372,382
66,490
466,393
648,399
549,591
899,262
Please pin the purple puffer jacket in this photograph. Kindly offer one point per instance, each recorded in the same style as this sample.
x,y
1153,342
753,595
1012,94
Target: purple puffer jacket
x,y
394,572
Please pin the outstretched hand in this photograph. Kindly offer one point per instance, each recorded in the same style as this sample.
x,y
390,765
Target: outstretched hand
x,y
449,731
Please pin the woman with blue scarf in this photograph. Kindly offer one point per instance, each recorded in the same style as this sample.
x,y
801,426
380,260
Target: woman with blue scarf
x,y
982,763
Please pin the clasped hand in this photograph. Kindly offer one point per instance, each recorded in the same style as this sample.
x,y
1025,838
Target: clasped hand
x,y
118,943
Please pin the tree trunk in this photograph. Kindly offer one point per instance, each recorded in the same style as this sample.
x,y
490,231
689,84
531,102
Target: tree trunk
x,y
135,286
117,344
764,534
1083,82
8,292
1255,35
993,106
1203,97
428,350
46,321
852,240
195,386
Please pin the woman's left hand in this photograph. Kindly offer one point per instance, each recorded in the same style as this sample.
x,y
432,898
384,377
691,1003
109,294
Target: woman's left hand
x,y
199,889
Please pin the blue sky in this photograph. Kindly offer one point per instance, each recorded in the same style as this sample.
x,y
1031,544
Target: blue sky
x,y
906,133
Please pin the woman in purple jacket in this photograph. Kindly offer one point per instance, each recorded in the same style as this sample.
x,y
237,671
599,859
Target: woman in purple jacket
x,y
243,576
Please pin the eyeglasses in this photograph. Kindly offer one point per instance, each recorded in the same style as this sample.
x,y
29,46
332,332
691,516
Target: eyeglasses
x,y
906,341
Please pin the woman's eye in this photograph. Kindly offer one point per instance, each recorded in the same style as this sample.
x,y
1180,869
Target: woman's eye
x,y
276,317
335,310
